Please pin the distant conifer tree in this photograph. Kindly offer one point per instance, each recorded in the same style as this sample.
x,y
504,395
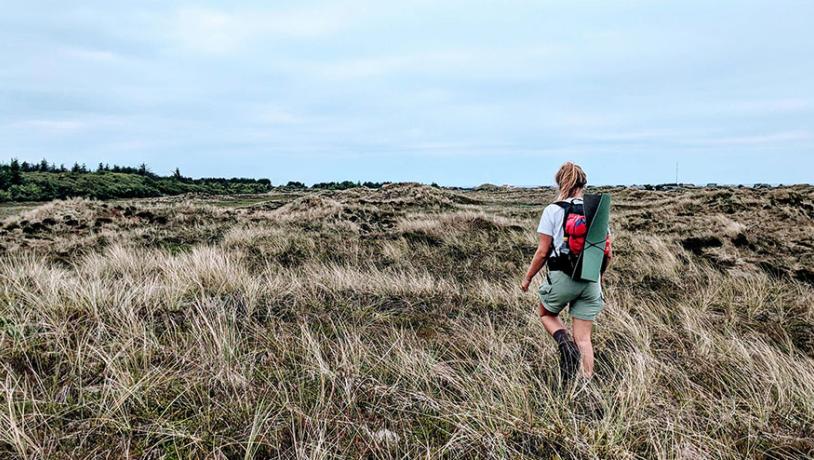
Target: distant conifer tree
x,y
14,172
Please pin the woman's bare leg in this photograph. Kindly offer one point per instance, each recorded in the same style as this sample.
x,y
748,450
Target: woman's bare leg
x,y
551,322
582,336
569,353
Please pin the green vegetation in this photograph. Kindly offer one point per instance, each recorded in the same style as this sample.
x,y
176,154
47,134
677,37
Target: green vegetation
x,y
344,185
45,181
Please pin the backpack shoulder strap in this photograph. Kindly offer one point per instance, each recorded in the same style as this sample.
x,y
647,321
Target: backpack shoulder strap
x,y
567,206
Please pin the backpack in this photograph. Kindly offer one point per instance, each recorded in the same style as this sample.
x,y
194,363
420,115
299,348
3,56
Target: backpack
x,y
575,228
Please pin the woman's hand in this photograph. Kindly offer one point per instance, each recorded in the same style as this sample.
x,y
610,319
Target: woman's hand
x,y
537,261
524,285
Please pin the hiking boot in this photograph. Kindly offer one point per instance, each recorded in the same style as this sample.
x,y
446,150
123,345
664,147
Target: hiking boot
x,y
569,360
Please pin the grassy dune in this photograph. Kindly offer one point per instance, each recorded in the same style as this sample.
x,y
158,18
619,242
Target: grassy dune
x,y
389,324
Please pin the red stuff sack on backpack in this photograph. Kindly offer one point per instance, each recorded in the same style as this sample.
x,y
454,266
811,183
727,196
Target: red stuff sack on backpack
x,y
577,229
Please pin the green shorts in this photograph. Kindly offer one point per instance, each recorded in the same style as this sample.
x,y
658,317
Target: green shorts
x,y
585,297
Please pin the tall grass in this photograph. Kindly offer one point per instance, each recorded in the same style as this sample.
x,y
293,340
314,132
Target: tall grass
x,y
300,333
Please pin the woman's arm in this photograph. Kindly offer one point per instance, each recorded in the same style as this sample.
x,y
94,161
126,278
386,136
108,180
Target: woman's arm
x,y
608,254
537,261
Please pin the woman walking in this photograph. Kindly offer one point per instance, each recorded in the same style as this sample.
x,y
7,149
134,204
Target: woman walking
x,y
562,230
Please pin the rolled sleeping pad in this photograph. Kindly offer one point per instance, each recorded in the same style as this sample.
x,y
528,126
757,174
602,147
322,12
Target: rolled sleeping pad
x,y
590,203
597,216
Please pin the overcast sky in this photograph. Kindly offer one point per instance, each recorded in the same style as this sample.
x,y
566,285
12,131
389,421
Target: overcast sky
x,y
456,92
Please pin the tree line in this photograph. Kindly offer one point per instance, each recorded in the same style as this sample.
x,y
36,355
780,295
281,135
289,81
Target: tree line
x,y
343,185
43,181
45,166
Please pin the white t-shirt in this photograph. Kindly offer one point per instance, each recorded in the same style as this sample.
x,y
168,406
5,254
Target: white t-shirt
x,y
551,222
